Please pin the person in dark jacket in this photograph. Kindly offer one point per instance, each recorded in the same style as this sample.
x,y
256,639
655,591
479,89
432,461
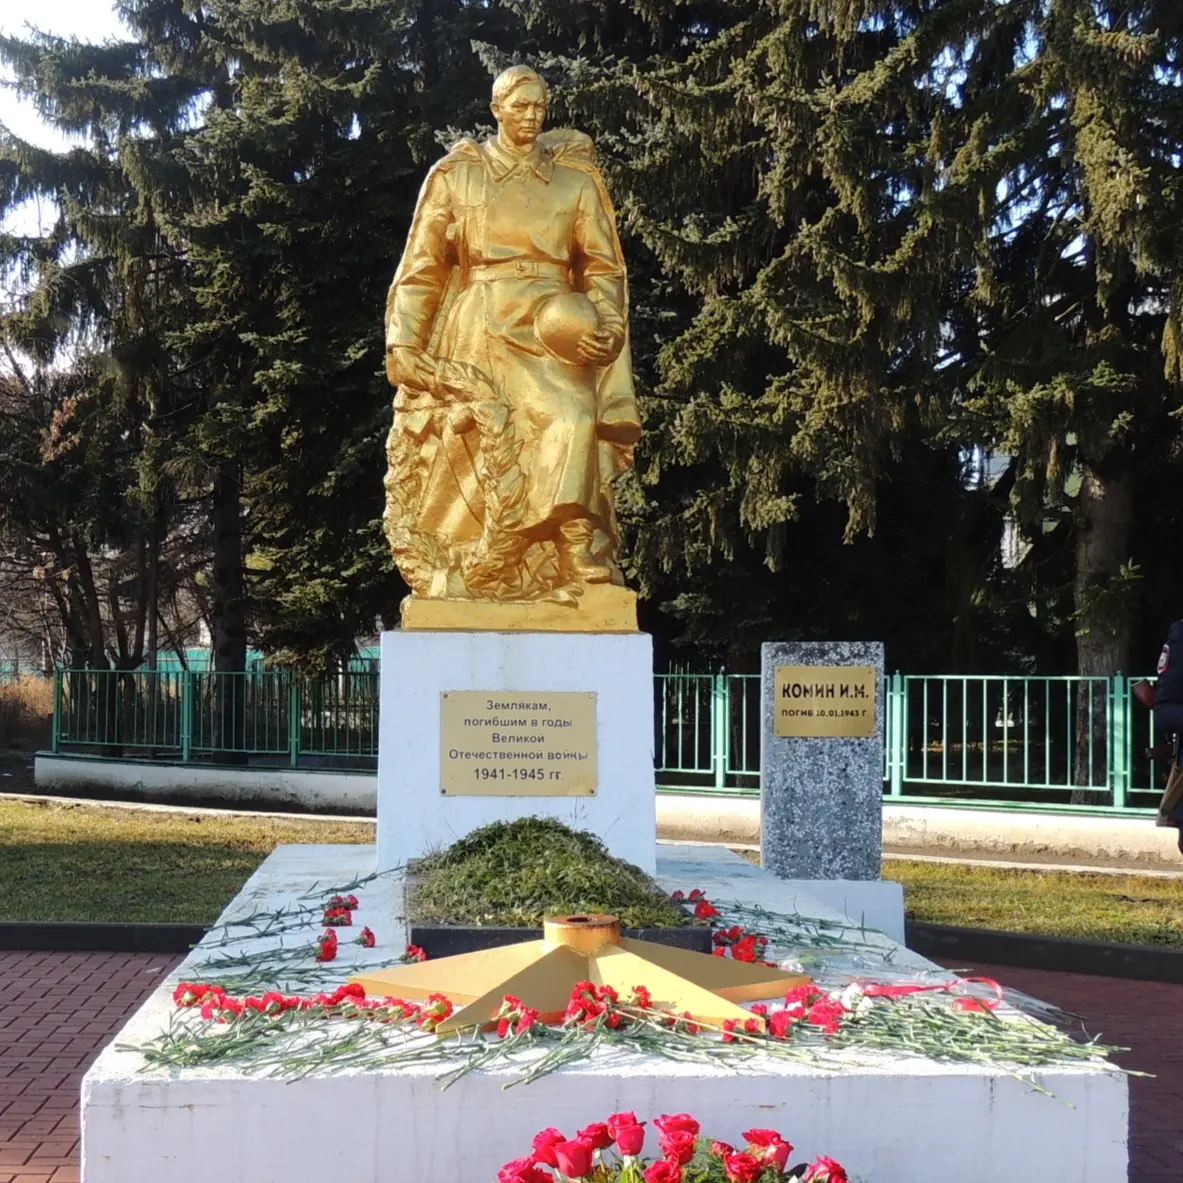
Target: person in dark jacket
x,y
1168,720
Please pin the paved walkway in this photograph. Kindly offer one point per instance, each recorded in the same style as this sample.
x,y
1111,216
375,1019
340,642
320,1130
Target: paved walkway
x,y
1146,1017
58,1009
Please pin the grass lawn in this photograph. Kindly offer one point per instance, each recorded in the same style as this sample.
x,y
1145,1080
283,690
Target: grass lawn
x,y
91,862
1128,908
87,862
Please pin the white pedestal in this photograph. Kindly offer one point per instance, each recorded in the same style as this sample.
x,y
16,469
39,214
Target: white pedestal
x,y
417,667
877,904
888,1120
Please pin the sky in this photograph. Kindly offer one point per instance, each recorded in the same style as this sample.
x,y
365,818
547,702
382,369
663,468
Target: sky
x,y
88,20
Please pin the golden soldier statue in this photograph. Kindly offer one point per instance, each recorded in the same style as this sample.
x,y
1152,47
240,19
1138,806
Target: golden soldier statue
x,y
507,336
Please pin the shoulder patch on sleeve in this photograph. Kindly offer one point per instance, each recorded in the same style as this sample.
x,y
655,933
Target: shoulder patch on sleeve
x,y
465,151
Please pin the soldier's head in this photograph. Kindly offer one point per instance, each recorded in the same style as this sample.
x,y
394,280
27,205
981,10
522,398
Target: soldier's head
x,y
519,105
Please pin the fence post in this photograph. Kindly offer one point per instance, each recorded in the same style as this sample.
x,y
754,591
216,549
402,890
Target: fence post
x,y
186,715
894,727
56,741
720,727
294,720
1119,760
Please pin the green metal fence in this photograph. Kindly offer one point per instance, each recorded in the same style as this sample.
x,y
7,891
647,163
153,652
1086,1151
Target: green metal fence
x,y
1017,742
1026,742
707,737
1022,742
266,716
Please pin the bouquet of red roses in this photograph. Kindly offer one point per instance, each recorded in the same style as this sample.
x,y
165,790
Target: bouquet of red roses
x,y
610,1152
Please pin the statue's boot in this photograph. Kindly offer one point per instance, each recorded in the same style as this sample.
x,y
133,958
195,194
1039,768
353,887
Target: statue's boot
x,y
576,560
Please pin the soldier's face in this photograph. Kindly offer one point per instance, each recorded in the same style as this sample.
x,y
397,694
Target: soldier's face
x,y
522,115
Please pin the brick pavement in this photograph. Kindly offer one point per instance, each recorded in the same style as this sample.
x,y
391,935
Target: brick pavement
x,y
1146,1017
59,1009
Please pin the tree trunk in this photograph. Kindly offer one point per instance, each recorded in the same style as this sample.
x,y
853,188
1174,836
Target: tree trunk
x,y
153,638
1104,520
228,612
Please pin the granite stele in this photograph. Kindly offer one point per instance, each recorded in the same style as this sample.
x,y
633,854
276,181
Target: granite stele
x,y
518,685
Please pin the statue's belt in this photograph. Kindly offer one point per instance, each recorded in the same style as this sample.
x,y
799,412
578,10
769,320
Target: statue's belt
x,y
516,269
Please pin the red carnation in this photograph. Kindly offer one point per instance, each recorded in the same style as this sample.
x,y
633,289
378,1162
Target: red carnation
x,y
366,939
191,993
414,953
744,1168
745,949
663,1171
342,917
327,950
826,1014
438,1009
642,998
574,1158
704,910
806,995
722,1149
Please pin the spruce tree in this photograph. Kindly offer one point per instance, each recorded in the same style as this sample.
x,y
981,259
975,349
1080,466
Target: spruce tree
x,y
947,222
276,149
93,398
734,524
333,117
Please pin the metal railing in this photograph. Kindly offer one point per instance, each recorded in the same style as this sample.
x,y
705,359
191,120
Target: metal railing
x,y
1023,742
707,734
264,716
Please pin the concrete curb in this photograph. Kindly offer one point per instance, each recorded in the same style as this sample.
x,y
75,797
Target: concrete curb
x,y
67,936
1028,836
943,942
965,946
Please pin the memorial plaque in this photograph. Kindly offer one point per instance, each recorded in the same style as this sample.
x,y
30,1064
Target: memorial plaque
x,y
825,701
509,744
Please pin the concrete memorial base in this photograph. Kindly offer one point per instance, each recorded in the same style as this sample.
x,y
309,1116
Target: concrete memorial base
x,y
887,1120
821,759
613,671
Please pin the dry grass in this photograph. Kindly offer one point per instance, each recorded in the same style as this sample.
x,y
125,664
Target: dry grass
x,y
1131,909
62,861
26,712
